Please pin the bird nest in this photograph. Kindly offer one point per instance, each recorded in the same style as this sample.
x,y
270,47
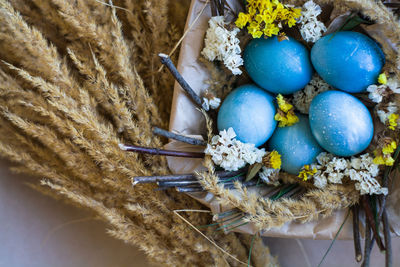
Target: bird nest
x,y
289,199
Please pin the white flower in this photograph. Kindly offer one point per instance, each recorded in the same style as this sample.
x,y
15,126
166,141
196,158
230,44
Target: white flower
x,y
311,28
223,45
269,175
302,99
231,154
212,103
393,85
384,115
320,181
376,92
360,169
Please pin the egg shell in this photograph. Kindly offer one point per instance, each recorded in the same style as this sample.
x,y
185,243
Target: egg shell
x,y
296,145
341,123
250,111
349,61
279,67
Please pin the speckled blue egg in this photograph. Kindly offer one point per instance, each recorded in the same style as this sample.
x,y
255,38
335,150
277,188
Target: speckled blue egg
x,y
296,145
341,123
250,111
279,67
349,61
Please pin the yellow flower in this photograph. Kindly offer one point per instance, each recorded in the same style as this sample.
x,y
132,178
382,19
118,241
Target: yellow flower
x,y
275,160
383,160
264,16
306,172
382,79
283,105
285,114
389,149
242,20
393,121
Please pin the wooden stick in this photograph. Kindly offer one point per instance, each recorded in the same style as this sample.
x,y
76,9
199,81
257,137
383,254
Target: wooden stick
x,y
183,177
388,241
356,233
166,60
178,137
161,152
195,182
190,189
370,219
273,192
368,244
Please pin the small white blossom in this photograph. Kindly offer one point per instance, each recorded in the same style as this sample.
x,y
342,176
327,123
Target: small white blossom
x,y
361,170
231,154
384,114
223,45
376,92
269,175
302,99
311,28
212,103
393,85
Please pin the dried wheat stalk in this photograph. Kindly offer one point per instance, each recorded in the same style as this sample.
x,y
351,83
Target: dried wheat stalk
x,y
76,80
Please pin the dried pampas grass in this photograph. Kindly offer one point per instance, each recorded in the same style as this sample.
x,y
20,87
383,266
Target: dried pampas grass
x,y
76,79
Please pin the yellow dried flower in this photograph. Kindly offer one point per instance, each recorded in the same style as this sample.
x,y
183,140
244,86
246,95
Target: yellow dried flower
x,y
285,114
272,160
383,160
283,104
382,79
275,160
389,148
393,121
306,172
267,17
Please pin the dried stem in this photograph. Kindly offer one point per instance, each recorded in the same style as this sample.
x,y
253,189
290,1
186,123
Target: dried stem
x,y
356,233
368,244
166,60
370,218
178,137
161,152
388,241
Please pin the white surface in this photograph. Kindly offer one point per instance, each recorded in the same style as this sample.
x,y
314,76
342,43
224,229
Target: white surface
x,y
36,230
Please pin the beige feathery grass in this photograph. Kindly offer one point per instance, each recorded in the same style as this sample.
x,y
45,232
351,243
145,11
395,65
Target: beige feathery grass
x,y
76,79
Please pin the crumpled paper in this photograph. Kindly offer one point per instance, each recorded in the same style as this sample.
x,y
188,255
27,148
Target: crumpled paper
x,y
186,119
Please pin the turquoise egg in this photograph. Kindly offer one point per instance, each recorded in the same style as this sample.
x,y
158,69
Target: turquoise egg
x,y
349,61
250,111
279,67
296,145
341,123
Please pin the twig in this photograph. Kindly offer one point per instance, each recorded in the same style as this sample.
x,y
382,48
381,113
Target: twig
x,y
166,60
370,219
178,137
185,33
356,233
182,177
368,244
161,152
195,182
388,241
226,186
189,189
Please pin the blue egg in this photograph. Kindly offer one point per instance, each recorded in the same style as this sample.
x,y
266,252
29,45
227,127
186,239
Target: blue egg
x,y
349,61
341,123
279,67
250,111
296,145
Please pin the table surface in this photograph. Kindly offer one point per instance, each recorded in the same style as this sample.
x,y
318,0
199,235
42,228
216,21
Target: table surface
x,y
37,230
